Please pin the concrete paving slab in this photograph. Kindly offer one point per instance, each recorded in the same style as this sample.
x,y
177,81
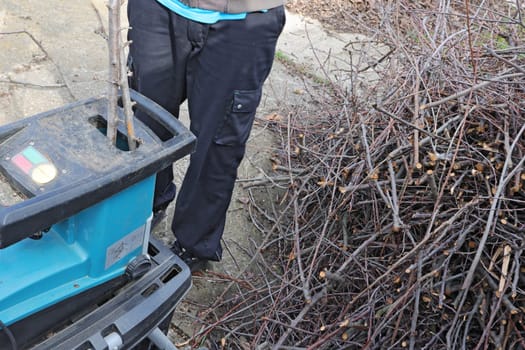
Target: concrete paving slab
x,y
329,55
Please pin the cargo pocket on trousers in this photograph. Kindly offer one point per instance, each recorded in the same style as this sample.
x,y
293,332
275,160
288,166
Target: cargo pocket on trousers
x,y
237,123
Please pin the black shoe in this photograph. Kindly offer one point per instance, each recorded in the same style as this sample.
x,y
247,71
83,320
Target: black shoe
x,y
194,263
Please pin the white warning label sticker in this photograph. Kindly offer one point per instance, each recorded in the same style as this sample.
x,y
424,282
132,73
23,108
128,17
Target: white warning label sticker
x,y
124,246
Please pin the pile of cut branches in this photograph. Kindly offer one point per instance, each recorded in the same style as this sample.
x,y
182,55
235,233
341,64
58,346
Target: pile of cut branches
x,y
398,221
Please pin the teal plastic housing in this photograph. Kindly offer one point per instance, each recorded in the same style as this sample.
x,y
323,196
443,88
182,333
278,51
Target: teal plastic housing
x,y
75,209
85,250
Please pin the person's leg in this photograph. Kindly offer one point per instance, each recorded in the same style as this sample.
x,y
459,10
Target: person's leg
x,y
157,60
225,80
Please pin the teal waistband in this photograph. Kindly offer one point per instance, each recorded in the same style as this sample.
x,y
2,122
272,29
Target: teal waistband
x,y
200,15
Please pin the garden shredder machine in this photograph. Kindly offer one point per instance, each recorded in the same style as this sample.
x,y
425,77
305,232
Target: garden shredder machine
x,y
78,267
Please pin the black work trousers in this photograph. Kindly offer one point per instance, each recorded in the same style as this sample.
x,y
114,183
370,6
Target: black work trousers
x,y
220,69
